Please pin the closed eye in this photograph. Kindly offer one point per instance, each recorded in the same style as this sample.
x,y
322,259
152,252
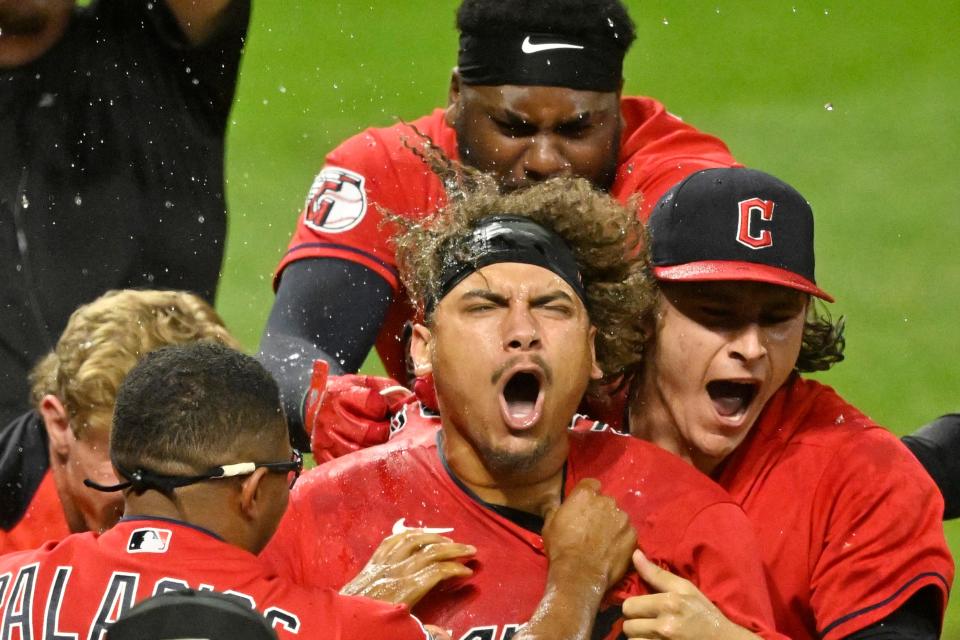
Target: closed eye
x,y
514,128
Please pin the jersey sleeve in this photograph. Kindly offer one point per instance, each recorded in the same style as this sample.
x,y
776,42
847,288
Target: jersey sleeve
x,y
718,552
882,532
357,617
344,217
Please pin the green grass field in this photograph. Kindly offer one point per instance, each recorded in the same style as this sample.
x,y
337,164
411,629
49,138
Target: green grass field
x,y
852,102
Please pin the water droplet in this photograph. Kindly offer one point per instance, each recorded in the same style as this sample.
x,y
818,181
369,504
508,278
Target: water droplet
x,y
168,204
665,21
828,106
24,203
610,21
77,200
201,219
826,12
282,89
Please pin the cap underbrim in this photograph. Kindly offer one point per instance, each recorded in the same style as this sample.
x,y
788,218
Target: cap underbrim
x,y
720,270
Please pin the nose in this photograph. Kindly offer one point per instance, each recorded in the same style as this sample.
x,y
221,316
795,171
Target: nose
x,y
520,331
544,158
749,343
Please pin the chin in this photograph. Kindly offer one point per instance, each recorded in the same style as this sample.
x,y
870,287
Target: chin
x,y
522,457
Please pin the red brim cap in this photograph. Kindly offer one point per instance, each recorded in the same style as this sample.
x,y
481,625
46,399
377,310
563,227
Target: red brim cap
x,y
721,270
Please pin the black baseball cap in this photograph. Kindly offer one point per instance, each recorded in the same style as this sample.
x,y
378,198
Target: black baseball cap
x,y
734,224
203,615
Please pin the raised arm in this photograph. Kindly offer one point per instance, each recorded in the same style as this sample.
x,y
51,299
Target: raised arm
x,y
199,19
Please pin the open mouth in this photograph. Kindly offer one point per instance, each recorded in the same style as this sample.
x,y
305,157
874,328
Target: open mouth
x,y
522,400
731,398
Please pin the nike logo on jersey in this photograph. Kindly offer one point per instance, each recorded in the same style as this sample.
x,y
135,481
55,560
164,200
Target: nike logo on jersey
x,y
529,47
399,527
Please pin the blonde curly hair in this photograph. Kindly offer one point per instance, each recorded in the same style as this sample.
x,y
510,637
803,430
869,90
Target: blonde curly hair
x,y
104,339
606,239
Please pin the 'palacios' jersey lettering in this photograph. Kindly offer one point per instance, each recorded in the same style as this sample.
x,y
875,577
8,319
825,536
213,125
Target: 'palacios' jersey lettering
x,y
17,603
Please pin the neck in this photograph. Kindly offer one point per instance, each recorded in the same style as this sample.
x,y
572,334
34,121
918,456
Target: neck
x,y
204,513
75,520
650,419
535,490
18,50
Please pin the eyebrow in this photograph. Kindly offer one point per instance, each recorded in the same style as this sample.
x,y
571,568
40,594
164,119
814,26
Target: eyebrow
x,y
551,297
546,298
485,294
514,117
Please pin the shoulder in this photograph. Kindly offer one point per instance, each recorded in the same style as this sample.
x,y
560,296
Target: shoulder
x,y
391,464
397,141
643,476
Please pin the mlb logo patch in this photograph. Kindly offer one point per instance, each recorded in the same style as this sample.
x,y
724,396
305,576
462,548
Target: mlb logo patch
x,y
149,541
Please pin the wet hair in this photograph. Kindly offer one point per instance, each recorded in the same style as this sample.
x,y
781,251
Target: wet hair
x,y
606,239
600,19
186,408
105,338
823,340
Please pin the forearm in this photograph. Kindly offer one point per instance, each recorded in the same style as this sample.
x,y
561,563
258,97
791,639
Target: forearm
x,y
568,608
312,319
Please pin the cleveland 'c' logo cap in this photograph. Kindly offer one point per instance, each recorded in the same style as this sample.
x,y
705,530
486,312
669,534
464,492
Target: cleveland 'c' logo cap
x,y
734,224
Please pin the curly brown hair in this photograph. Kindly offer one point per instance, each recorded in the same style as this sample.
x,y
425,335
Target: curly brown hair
x,y
823,340
604,235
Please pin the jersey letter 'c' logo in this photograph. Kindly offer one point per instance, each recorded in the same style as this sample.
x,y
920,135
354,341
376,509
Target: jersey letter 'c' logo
x,y
337,201
752,212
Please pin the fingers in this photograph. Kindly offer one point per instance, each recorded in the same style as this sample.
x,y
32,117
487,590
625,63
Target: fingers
x,y
419,584
400,546
659,579
436,633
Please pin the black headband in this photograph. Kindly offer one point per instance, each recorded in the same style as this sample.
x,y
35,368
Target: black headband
x,y
507,238
540,59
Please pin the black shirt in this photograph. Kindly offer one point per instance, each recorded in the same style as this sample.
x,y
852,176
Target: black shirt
x,y
111,171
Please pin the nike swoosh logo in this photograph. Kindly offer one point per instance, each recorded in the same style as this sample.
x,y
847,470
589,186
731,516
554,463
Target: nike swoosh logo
x,y
528,47
400,527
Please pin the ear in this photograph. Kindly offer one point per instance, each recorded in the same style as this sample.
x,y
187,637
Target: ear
x,y
57,424
596,372
252,494
452,113
421,346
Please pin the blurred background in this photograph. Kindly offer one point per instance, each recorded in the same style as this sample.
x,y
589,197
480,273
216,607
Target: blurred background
x,y
854,103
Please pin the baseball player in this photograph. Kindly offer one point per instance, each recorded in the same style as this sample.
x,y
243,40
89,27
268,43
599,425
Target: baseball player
x,y
536,93
47,453
523,309
206,467
848,522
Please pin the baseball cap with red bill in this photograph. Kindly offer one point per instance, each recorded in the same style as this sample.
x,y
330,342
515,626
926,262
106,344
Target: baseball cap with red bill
x,y
734,224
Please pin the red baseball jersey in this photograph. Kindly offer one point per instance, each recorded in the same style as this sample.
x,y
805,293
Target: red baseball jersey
x,y
683,520
374,170
849,523
78,586
43,520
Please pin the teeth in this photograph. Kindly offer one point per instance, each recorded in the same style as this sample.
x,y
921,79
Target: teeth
x,y
520,408
730,398
728,406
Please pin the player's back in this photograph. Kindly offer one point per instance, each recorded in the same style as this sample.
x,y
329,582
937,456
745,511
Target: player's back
x,y
80,585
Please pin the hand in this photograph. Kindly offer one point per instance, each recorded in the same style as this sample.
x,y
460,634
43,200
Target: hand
x,y
678,610
407,565
351,412
436,633
589,537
